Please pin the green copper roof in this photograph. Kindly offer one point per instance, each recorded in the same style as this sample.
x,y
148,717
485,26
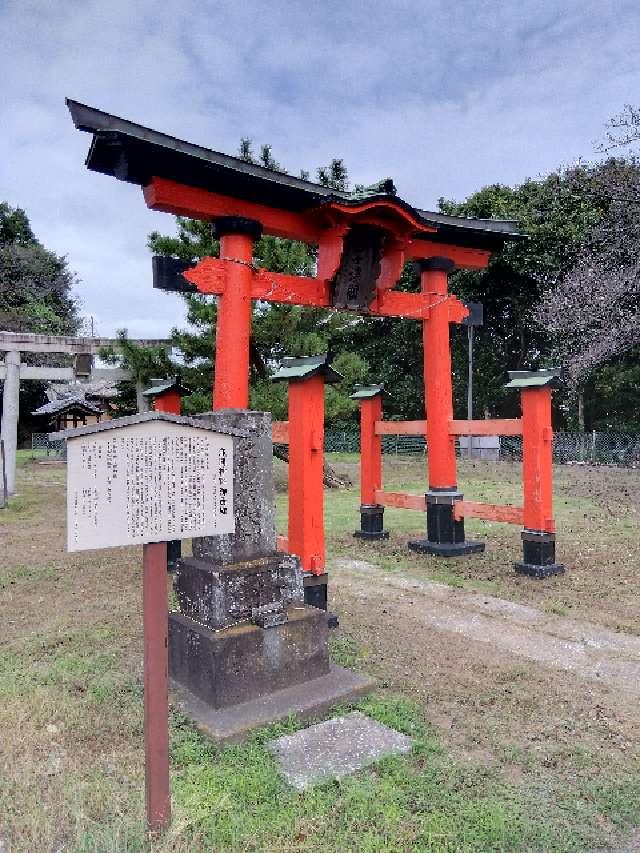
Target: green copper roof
x,y
365,392
534,378
382,187
167,385
295,369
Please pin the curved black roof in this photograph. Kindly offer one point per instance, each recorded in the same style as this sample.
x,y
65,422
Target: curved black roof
x,y
133,153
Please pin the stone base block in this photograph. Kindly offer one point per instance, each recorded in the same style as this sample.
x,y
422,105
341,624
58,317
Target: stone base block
x,y
446,549
240,663
223,595
306,701
371,523
538,571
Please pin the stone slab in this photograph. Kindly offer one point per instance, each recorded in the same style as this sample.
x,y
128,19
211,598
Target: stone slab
x,y
335,748
305,701
240,663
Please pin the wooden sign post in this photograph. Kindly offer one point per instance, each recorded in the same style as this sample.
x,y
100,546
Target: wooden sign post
x,y
156,686
144,480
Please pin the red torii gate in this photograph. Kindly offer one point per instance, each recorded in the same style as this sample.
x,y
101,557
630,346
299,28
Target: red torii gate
x,y
363,241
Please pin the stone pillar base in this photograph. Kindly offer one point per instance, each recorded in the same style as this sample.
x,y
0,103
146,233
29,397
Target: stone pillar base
x,y
446,549
315,589
174,552
371,523
539,555
445,533
316,595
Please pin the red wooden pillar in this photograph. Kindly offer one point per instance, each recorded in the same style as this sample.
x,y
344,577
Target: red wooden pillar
x,y
445,534
167,398
438,393
371,513
538,537
307,377
233,326
156,688
306,462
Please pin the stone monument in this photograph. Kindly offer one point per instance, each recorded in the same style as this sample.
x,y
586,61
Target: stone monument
x,y
244,650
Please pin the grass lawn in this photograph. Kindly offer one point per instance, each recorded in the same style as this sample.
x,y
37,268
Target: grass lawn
x,y
71,698
597,513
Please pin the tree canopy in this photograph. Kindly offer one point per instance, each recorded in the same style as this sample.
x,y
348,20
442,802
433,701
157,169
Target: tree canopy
x,y
35,296
35,283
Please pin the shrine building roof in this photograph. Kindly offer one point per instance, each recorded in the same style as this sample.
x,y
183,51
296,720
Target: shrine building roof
x,y
162,385
136,154
57,407
366,392
143,418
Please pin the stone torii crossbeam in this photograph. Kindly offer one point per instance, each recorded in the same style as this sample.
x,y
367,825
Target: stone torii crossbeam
x,y
13,371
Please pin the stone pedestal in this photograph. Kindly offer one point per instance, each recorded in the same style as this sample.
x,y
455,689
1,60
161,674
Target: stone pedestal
x,y
445,533
538,555
227,667
371,523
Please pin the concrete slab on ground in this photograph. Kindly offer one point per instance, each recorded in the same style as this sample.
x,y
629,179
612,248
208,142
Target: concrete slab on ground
x,y
335,748
305,701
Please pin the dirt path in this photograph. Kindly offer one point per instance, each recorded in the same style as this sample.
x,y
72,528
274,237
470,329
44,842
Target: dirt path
x,y
587,650
542,700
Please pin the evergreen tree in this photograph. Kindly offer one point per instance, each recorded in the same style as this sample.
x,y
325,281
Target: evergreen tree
x,y
35,296
35,284
144,363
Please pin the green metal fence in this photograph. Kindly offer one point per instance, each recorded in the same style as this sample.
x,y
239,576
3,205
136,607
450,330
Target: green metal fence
x,y
41,446
592,448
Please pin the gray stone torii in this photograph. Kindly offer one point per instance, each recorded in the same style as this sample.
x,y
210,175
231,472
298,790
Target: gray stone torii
x,y
12,372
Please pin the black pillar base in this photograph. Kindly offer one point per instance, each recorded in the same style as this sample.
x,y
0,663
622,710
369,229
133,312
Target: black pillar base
x,y
315,595
539,555
445,534
174,552
371,523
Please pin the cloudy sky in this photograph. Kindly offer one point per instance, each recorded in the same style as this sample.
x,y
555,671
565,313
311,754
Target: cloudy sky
x,y
443,95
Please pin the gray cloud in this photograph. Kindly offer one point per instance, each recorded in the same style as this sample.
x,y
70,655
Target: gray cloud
x,y
445,97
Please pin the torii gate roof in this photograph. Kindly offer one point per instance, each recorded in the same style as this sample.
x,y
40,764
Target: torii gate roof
x,y
136,154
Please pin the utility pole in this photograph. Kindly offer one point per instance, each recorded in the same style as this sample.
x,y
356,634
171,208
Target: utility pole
x,y
470,375
475,318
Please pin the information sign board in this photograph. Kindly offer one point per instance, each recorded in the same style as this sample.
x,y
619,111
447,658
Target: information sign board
x,y
149,481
